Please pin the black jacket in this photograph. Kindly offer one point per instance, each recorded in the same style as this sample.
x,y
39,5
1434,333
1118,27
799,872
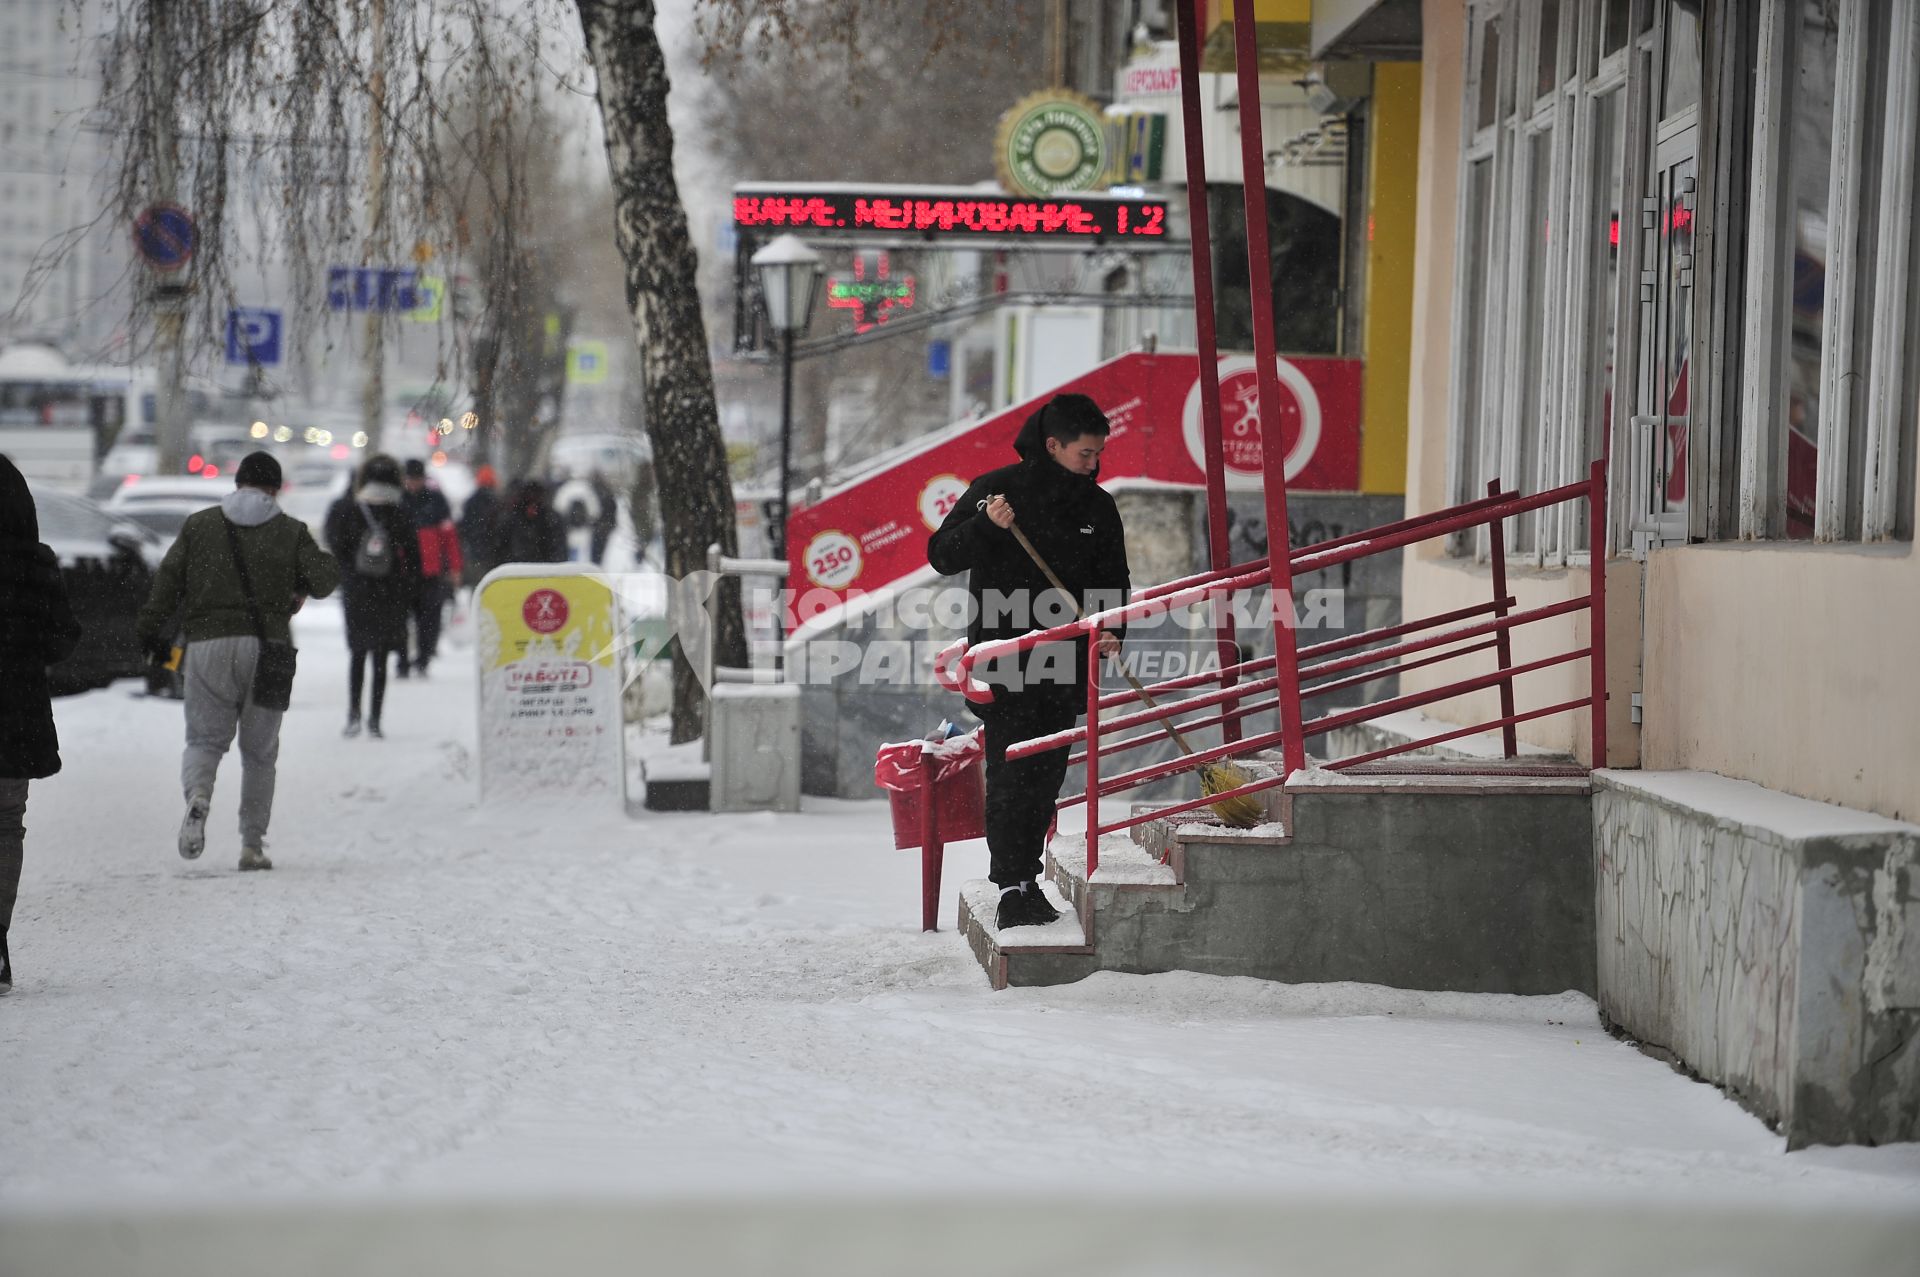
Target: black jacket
x,y
376,607
529,530
37,629
1071,521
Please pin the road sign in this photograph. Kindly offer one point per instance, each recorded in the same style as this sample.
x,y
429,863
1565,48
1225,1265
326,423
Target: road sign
x,y
432,292
253,335
163,234
373,288
586,362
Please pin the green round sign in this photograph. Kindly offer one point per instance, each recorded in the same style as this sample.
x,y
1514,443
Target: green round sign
x,y
1051,144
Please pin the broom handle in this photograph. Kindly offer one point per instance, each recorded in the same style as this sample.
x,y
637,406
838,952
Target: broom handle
x,y
1125,673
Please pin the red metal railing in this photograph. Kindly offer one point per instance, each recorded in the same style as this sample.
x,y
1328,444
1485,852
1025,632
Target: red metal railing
x,y
1329,666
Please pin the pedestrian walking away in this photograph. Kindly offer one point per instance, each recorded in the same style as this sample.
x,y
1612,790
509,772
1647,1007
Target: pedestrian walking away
x,y
531,530
606,516
234,577
37,629
480,526
379,554
1073,523
432,520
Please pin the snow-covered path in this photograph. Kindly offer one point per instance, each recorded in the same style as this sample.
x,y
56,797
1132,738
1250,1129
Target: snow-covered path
x,y
429,997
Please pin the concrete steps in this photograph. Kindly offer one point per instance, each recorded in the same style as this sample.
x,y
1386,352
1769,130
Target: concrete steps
x,y
1442,880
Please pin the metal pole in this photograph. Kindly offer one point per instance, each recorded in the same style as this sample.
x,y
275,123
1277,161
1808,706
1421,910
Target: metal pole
x,y
1093,755
786,443
1253,174
1597,604
373,384
171,429
1219,552
1503,642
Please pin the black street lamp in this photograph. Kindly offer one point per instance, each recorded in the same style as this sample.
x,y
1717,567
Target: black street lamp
x,y
789,282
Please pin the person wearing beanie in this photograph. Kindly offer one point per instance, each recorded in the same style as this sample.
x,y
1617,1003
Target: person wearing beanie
x,y
233,578
372,537
426,506
480,526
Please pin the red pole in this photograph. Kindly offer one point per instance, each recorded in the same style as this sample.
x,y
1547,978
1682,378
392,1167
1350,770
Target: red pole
x,y
1219,551
1093,754
1200,235
1503,642
1253,174
932,850
1597,603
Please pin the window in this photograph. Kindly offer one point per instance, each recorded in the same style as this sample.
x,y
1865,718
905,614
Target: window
x,y
1827,438
1810,168
1538,261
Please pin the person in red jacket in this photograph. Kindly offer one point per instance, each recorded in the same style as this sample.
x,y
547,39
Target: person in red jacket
x,y
439,564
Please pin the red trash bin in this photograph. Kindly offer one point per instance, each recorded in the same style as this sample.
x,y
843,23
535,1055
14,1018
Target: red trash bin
x,y
951,769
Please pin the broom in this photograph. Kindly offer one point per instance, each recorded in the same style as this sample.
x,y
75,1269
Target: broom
x,y
1243,811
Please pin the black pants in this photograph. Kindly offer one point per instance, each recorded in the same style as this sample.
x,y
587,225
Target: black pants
x,y
427,605
1021,794
359,659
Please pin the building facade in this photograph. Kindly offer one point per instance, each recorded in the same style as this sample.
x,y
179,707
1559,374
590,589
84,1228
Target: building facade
x,y
1680,234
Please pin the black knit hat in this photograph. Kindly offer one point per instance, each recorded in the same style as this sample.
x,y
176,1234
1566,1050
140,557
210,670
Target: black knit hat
x,y
416,468
258,470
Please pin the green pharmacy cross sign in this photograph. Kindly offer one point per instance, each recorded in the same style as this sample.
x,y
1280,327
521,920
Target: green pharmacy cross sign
x,y
873,293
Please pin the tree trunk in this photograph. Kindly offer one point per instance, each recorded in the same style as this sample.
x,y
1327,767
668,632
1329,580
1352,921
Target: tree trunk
x,y
650,224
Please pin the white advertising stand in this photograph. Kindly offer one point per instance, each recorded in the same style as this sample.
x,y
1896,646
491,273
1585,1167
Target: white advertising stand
x,y
547,642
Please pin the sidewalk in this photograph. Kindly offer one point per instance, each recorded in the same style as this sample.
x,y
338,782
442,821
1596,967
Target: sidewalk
x,y
428,998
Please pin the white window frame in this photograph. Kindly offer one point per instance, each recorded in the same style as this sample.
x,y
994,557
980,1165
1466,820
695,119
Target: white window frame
x,y
1559,427
1761,496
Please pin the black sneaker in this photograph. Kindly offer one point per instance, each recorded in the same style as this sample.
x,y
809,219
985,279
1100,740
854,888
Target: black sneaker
x,y
1027,907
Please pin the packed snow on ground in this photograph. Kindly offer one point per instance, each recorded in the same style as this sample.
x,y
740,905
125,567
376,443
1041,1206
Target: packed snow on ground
x,y
431,996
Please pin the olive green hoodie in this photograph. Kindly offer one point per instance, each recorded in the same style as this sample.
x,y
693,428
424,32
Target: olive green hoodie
x,y
198,580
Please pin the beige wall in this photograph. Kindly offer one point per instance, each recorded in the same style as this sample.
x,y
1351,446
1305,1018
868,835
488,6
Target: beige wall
x,y
1790,665
1794,666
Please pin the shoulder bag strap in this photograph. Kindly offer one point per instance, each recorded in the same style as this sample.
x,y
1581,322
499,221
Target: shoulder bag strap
x,y
246,582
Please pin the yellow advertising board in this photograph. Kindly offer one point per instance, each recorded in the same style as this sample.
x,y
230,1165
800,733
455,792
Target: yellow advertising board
x,y
550,704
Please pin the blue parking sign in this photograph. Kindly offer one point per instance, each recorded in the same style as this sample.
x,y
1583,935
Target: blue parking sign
x,y
253,335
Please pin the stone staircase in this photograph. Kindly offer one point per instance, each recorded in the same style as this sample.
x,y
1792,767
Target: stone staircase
x,y
1476,881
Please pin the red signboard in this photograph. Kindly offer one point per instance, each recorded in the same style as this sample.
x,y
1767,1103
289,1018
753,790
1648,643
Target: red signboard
x,y
870,533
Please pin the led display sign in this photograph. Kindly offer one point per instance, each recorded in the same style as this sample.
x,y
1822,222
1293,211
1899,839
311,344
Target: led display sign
x,y
949,215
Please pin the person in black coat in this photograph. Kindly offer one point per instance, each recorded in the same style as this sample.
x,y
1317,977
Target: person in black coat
x,y
1054,494
37,629
530,530
373,539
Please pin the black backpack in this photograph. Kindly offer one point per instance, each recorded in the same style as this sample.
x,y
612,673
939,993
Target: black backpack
x,y
374,558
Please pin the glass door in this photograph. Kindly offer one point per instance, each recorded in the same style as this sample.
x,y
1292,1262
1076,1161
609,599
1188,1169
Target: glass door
x,y
1660,422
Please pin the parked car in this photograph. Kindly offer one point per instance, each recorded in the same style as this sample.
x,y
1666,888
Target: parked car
x,y
137,490
108,566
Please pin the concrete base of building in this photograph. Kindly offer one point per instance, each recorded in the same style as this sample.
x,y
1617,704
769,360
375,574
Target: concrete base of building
x,y
1768,944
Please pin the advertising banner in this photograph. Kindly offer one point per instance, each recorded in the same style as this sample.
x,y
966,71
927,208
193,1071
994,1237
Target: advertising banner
x,y
871,532
550,716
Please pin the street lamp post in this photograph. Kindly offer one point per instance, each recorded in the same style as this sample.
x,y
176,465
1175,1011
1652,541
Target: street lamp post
x,y
789,282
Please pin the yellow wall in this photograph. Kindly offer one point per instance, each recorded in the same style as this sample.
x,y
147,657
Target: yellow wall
x,y
1393,180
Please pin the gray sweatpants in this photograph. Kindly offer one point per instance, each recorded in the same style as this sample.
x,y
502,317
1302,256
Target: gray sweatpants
x,y
218,674
13,844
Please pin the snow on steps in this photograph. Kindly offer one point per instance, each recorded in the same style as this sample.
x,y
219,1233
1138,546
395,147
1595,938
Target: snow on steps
x,y
1148,860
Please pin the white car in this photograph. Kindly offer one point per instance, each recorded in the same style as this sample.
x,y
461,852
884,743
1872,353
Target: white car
x,y
138,490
